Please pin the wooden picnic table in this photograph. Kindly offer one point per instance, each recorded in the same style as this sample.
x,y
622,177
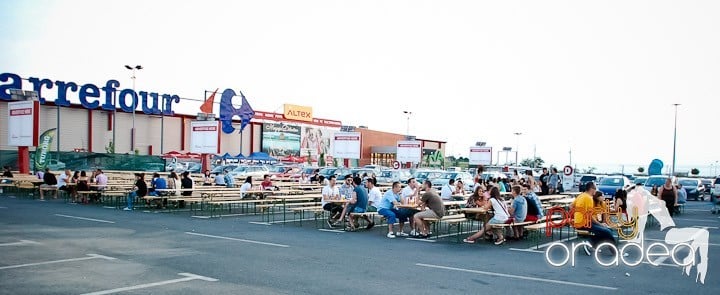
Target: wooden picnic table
x,y
285,198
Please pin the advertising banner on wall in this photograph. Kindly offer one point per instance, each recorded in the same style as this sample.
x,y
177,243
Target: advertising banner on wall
x,y
281,140
22,123
315,142
204,137
480,155
346,145
409,151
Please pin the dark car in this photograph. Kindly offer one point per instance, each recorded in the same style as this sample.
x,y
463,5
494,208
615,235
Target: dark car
x,y
656,181
640,180
693,187
585,179
611,184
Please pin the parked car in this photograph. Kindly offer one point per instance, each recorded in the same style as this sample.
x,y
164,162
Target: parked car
x,y
221,168
360,171
257,172
715,190
422,175
390,176
585,179
308,171
707,183
611,184
493,174
655,180
693,187
640,180
337,171
466,178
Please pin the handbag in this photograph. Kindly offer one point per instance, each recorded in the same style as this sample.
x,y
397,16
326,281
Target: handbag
x,y
511,219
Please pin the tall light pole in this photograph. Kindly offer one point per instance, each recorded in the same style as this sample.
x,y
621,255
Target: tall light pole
x,y
517,147
132,138
408,114
674,139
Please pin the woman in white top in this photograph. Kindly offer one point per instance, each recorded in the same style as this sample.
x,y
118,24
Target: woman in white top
x,y
173,183
500,208
246,186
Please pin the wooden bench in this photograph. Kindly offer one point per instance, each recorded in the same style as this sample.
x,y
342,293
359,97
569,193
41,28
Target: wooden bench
x,y
456,220
221,202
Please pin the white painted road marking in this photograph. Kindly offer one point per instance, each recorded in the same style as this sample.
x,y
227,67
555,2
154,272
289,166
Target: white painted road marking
x,y
697,220
331,230
3,207
526,250
421,240
186,277
526,278
553,242
656,240
260,223
84,218
20,243
89,257
236,239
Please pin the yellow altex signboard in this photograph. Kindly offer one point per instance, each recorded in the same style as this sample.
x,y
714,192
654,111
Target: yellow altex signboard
x,y
296,112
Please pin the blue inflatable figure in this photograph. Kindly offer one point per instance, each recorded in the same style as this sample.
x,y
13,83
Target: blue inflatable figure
x,y
655,167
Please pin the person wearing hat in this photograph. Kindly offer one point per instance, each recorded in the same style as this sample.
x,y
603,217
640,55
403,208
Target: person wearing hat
x,y
139,190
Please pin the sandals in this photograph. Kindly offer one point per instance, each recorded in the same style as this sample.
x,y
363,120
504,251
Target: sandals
x,y
468,241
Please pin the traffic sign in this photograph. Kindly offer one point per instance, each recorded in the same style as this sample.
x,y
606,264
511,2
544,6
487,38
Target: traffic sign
x,y
396,165
568,170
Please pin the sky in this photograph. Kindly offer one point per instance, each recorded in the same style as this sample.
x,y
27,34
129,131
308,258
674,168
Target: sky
x,y
598,78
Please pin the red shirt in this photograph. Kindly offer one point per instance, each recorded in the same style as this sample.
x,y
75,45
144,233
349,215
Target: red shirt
x,y
266,184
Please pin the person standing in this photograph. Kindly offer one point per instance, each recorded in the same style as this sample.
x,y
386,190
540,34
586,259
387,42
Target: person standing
x,y
553,182
544,188
669,194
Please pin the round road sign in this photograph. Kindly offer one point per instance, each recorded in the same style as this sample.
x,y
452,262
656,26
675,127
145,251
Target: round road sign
x,y
396,165
568,170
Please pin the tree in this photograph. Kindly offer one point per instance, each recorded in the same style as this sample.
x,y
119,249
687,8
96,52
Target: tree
x,y
537,162
590,170
641,169
694,171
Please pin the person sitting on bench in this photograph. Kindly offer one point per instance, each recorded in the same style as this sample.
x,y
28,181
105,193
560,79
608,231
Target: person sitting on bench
x,y
49,182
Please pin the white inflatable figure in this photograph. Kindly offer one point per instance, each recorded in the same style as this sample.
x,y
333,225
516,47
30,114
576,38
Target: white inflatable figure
x,y
697,238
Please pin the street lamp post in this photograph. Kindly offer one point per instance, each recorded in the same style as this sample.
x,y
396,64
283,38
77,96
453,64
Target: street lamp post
x,y
517,147
408,114
135,99
674,138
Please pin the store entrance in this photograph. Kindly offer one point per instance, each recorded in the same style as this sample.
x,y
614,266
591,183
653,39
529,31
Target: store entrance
x,y
382,159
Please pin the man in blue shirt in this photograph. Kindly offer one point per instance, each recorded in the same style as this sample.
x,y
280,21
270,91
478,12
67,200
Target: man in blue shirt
x,y
387,208
358,204
518,209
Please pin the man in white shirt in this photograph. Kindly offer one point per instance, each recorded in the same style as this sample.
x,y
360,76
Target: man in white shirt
x,y
447,190
409,195
101,180
374,195
331,192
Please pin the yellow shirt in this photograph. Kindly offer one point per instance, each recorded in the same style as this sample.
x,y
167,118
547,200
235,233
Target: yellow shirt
x,y
583,203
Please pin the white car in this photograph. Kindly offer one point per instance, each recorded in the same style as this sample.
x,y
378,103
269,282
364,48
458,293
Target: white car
x,y
257,172
715,188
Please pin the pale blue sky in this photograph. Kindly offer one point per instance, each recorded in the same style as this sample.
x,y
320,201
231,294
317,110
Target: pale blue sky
x,y
597,76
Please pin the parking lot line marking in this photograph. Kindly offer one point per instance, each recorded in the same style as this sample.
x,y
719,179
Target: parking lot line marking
x,y
1,207
526,278
200,216
421,240
186,277
527,250
331,230
89,257
706,227
84,218
260,223
20,243
550,243
236,239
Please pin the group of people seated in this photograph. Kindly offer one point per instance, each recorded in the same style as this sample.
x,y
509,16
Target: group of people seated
x,y
160,187
79,181
397,204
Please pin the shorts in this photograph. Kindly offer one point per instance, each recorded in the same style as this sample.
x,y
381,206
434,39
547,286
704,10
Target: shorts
x,y
426,214
496,221
371,209
357,210
531,218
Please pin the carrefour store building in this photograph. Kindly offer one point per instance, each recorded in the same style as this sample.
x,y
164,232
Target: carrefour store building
x,y
93,127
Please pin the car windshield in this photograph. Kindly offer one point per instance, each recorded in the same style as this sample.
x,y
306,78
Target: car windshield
x,y
612,181
328,171
240,169
386,174
688,182
658,181
587,178
308,170
449,176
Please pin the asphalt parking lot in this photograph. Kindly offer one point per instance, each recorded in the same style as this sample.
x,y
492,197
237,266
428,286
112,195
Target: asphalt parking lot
x,y
57,248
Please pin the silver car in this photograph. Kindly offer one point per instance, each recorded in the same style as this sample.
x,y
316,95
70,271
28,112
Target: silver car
x,y
390,176
466,178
